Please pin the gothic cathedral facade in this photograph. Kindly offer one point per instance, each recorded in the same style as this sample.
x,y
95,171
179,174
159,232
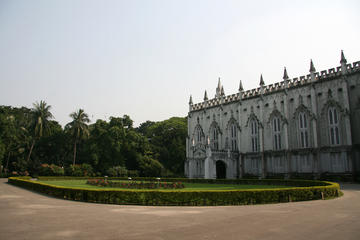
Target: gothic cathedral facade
x,y
308,125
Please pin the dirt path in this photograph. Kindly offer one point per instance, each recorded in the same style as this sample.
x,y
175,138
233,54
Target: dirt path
x,y
28,215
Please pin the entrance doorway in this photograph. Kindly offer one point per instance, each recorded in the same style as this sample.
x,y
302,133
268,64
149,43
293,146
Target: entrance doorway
x,y
220,170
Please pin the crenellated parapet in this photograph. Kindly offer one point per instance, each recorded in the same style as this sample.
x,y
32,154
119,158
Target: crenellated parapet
x,y
220,98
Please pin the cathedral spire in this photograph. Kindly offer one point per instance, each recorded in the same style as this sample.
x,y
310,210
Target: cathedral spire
x,y
205,96
218,89
222,91
343,59
241,88
312,71
312,68
343,63
285,77
262,83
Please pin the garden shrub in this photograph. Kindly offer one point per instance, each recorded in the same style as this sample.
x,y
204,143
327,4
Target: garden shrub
x,y
310,190
117,171
51,170
74,170
133,173
79,170
87,169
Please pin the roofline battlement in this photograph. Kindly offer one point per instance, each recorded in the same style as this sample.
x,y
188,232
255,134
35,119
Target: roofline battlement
x,y
313,77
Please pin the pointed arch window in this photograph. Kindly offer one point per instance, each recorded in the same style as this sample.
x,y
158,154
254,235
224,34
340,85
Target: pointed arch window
x,y
303,130
198,135
233,137
276,133
254,135
334,126
214,138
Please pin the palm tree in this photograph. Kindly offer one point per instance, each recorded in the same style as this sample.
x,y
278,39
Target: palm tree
x,y
40,118
78,127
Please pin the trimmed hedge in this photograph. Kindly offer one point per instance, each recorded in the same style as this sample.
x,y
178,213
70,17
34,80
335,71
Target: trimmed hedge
x,y
303,190
281,182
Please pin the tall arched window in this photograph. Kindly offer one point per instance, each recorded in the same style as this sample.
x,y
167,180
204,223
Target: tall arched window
x,y
214,138
233,136
254,136
334,126
303,130
276,133
198,135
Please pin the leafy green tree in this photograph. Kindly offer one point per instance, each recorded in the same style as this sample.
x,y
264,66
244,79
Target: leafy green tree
x,y
78,128
144,128
15,137
115,143
167,141
150,167
40,117
2,153
54,148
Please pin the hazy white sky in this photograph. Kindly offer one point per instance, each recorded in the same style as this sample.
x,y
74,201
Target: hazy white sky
x,y
145,58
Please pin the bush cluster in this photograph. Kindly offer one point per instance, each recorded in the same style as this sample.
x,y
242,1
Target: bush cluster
x,y
318,190
135,184
16,173
82,170
119,171
51,170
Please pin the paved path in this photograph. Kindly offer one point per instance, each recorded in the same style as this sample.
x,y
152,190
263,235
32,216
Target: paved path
x,y
28,215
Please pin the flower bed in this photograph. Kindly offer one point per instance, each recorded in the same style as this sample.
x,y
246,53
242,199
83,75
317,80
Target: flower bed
x,y
135,184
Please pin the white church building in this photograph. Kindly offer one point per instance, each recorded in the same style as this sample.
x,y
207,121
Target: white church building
x,y
306,125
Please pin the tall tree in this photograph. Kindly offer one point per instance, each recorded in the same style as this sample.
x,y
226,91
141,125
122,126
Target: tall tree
x,y
167,139
78,127
40,118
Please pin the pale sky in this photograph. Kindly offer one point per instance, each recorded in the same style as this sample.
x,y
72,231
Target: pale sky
x,y
145,58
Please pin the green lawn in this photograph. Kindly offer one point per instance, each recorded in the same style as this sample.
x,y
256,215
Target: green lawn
x,y
188,186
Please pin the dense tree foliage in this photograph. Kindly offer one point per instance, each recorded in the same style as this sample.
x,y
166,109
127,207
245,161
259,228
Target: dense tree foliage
x,y
167,141
32,143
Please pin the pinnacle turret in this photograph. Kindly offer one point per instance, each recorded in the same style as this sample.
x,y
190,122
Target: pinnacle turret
x,y
222,91
241,88
285,77
218,89
312,68
190,101
343,59
262,83
205,96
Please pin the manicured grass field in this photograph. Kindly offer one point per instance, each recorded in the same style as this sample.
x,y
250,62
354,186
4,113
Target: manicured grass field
x,y
188,186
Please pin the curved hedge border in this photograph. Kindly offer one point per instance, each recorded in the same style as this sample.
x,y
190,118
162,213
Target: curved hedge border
x,y
303,190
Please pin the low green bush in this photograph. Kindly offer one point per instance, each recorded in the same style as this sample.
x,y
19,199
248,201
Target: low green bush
x,y
51,170
117,171
310,190
83,170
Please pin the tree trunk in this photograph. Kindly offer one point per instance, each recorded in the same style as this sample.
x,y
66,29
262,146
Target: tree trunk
x,y
31,148
7,162
74,153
